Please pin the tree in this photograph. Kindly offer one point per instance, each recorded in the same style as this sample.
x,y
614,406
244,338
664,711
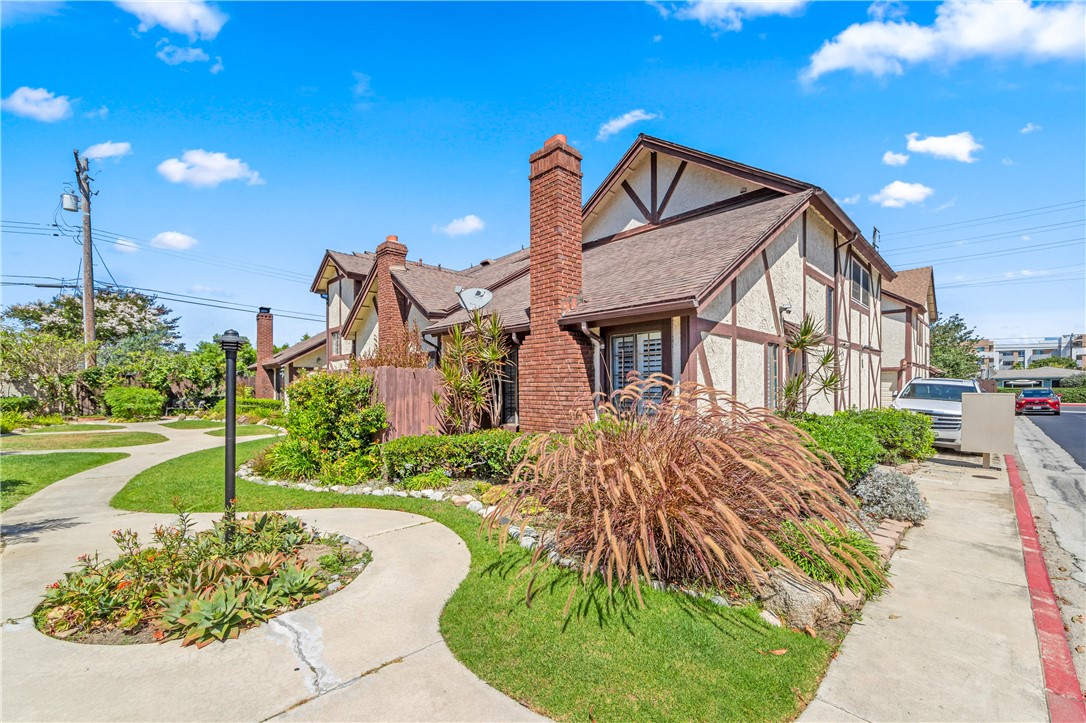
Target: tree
x,y
46,362
805,344
953,348
1060,362
118,314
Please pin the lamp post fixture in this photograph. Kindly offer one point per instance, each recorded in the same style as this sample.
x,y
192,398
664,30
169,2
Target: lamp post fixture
x,y
230,342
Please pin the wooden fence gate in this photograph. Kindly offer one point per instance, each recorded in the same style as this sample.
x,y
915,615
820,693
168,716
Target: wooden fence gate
x,y
408,396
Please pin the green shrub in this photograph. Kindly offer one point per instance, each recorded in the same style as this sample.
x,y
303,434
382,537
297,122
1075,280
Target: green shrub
x,y
10,421
847,546
134,403
1072,395
1078,380
435,479
43,420
478,454
270,409
905,435
335,411
850,442
27,405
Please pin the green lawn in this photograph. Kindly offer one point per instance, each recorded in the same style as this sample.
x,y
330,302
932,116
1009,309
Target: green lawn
x,y
73,428
23,475
193,424
245,430
676,659
93,440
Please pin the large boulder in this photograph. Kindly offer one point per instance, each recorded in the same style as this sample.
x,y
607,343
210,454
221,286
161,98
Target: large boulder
x,y
800,601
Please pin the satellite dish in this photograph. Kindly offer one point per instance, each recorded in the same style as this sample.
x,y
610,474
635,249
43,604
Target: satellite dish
x,y
473,299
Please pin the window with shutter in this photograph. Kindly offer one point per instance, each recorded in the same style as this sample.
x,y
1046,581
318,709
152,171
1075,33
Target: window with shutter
x,y
641,352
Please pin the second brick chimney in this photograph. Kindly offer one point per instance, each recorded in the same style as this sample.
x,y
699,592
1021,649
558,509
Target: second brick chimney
x,y
555,364
390,320
265,350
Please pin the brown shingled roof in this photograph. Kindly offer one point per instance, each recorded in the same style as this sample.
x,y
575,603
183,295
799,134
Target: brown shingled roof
x,y
913,285
430,286
296,350
628,273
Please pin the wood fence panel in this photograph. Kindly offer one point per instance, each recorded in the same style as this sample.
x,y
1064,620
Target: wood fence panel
x,y
408,396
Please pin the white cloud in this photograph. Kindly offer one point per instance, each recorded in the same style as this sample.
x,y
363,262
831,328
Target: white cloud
x,y
194,18
173,240
109,149
1008,162
100,112
462,226
361,87
887,10
37,103
949,204
957,147
616,125
850,200
202,168
173,55
728,15
125,246
218,67
962,29
1030,128
657,38
895,159
900,194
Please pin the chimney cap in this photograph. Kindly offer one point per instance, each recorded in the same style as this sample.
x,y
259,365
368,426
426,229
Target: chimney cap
x,y
556,138
392,238
265,309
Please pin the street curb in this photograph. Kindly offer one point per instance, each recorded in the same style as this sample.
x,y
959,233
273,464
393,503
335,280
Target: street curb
x,y
1065,701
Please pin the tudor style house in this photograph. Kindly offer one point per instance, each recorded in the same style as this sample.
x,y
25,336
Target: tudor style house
x,y
908,311
681,262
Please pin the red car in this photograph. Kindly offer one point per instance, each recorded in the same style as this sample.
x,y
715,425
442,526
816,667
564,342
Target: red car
x,y
1037,400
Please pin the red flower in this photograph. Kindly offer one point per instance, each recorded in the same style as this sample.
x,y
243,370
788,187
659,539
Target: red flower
x,y
123,584
158,635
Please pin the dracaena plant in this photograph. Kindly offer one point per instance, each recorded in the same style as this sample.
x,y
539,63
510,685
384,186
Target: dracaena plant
x,y
815,373
473,360
684,485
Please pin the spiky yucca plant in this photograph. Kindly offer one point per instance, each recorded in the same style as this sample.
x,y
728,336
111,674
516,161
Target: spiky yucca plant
x,y
689,487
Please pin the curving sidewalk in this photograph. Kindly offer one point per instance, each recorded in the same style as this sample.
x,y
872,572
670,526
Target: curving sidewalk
x,y
372,651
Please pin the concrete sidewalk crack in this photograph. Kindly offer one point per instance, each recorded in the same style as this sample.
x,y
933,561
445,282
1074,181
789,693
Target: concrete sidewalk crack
x,y
351,681
297,638
399,529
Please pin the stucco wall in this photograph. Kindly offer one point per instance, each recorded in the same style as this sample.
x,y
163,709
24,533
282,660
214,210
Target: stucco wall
x,y
819,243
699,187
893,335
718,355
366,336
750,373
340,299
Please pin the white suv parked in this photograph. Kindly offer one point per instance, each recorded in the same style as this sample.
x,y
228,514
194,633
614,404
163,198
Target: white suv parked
x,y
940,399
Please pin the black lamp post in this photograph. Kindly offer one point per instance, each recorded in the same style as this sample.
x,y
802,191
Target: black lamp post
x,y
230,342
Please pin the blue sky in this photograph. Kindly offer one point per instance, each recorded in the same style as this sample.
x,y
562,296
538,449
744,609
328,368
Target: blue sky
x,y
259,134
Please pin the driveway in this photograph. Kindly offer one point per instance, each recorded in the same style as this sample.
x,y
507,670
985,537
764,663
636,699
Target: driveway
x,y
370,652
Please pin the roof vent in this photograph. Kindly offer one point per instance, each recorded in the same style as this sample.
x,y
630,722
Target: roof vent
x,y
486,262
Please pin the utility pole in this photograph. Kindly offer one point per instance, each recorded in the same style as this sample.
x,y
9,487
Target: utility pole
x,y
82,166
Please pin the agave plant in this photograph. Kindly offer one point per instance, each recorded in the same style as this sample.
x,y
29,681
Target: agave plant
x,y
295,582
202,619
258,565
686,486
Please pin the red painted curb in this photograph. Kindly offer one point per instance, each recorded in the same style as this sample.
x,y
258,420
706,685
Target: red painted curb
x,y
1065,702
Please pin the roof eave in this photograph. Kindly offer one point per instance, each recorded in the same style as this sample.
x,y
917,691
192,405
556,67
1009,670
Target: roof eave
x,y
682,304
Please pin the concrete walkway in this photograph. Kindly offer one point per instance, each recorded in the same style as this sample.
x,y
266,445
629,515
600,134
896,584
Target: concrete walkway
x,y
370,652
954,640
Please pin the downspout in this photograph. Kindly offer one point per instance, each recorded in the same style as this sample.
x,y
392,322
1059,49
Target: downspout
x,y
597,353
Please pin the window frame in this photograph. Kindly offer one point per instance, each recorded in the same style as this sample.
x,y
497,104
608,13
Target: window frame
x,y
858,285
663,326
772,375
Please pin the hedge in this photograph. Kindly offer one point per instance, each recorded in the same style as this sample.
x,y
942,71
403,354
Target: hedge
x,y
1069,395
843,438
134,403
483,454
903,434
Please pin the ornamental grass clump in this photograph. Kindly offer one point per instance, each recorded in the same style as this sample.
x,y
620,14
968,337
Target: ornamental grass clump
x,y
680,484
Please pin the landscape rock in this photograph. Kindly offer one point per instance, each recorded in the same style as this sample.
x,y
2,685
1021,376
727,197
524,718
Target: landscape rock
x,y
461,500
530,532
388,490
770,618
527,542
800,601
400,493
438,496
514,531
475,506
378,493
718,600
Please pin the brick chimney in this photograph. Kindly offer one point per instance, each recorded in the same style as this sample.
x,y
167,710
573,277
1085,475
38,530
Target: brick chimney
x,y
555,364
265,350
390,320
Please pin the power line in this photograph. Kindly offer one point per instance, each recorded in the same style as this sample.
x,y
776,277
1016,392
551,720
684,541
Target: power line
x,y
989,219
1009,252
987,238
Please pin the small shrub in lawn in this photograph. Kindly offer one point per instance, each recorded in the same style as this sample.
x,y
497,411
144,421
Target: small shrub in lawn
x,y
688,488
195,586
435,479
846,441
888,493
903,434
270,409
493,454
10,421
44,420
134,403
22,405
859,567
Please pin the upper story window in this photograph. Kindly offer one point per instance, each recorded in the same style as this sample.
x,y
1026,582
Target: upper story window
x,y
860,281
336,343
829,311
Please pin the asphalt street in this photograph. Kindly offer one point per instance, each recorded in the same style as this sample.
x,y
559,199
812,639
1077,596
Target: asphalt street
x,y
1067,430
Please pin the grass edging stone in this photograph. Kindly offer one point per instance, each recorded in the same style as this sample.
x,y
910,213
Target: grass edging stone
x,y
679,657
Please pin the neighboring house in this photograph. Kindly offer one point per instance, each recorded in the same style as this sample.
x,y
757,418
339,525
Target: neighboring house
x,y
1037,377
1005,355
680,262
908,311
